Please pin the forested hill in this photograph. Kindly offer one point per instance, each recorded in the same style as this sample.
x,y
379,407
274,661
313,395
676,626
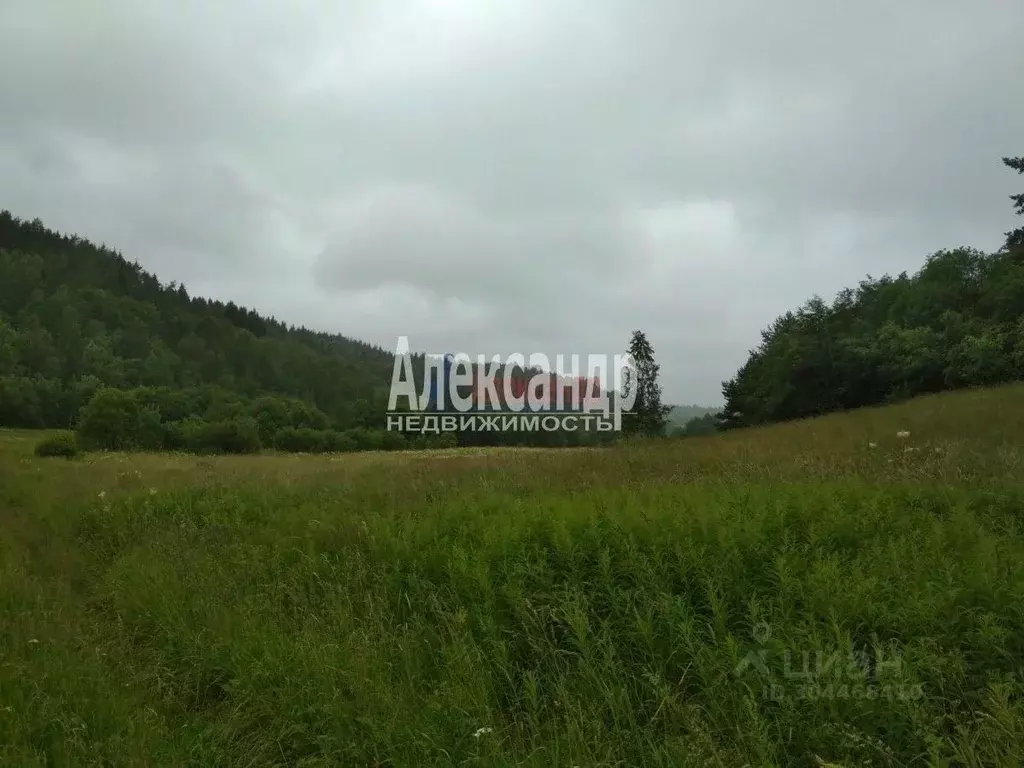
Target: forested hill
x,y
75,317
958,322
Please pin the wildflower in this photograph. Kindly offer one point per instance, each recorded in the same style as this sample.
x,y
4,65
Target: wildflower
x,y
102,494
909,450
152,491
872,445
33,641
903,434
481,731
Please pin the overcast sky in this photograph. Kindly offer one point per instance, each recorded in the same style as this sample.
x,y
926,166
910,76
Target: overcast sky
x,y
518,175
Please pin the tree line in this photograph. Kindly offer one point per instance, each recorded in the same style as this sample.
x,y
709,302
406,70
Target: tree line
x,y
91,342
957,322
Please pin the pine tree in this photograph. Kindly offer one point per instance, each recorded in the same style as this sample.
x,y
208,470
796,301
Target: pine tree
x,y
649,417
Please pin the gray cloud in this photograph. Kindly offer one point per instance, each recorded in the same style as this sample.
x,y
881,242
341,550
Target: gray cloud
x,y
518,176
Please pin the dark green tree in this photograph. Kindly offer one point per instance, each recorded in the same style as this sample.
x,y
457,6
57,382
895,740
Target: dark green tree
x,y
700,425
1016,237
648,416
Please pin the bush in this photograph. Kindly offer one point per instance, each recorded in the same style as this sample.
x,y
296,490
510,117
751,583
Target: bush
x,y
62,444
305,440
448,440
301,440
115,420
366,439
394,441
701,425
234,436
340,442
180,435
271,414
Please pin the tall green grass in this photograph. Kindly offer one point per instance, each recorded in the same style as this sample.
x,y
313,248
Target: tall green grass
x,y
788,596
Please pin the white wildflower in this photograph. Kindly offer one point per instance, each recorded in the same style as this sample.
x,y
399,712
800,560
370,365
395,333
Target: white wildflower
x,y
33,641
481,731
903,434
152,491
102,494
872,445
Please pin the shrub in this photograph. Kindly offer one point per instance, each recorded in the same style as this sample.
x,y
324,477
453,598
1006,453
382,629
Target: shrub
x,y
366,439
305,416
234,436
181,435
225,411
394,441
448,440
271,414
340,442
115,420
62,444
301,440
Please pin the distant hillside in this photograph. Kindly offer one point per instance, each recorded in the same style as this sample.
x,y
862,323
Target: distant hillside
x,y
680,415
75,316
182,372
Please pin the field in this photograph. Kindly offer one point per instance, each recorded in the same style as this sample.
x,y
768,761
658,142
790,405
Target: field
x,y
811,593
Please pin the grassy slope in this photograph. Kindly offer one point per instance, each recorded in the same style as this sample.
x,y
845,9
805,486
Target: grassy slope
x,y
591,607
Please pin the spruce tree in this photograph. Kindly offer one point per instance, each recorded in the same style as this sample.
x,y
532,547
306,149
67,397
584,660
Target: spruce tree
x,y
648,416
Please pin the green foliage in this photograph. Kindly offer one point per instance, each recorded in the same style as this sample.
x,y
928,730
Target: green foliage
x,y
72,312
182,435
648,416
306,440
719,602
955,323
1015,238
447,440
302,440
238,435
75,318
701,425
212,421
116,420
63,444
681,415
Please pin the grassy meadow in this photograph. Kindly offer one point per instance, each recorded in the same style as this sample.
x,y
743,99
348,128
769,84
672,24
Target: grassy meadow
x,y
814,593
